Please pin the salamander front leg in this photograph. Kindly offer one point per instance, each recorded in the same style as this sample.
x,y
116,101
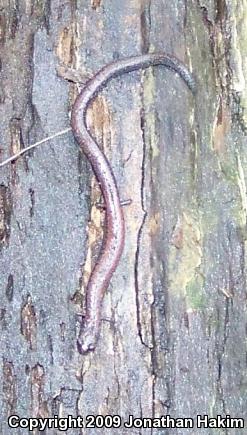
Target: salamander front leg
x,y
123,203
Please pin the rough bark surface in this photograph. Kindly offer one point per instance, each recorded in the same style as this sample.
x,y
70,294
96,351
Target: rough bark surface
x,y
174,329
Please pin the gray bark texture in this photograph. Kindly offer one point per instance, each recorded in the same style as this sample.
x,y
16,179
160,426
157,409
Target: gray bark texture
x,y
174,324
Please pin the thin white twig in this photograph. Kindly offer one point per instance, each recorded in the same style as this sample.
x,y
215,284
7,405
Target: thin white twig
x,y
24,150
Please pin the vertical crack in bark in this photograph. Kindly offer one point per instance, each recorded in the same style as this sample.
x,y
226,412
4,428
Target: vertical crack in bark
x,y
235,253
9,386
139,235
32,200
221,29
115,370
17,142
221,350
153,364
39,405
145,38
145,31
3,321
29,323
5,214
145,26
10,288
220,44
220,10
233,242
50,347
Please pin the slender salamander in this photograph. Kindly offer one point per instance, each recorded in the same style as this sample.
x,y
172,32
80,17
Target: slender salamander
x,y
114,221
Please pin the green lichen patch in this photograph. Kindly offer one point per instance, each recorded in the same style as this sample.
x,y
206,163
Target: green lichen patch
x,y
185,257
195,297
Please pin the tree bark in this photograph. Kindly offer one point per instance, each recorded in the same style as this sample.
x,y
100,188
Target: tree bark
x,y
174,324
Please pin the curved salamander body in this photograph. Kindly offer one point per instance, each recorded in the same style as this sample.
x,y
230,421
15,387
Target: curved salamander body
x,y
114,225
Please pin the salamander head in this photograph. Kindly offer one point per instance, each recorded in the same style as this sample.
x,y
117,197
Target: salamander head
x,y
88,337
